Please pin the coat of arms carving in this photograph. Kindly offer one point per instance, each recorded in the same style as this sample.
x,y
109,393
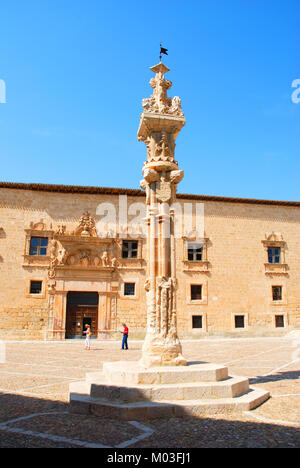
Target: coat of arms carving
x,y
87,226
163,191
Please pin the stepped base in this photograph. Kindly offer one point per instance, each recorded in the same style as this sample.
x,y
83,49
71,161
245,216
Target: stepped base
x,y
138,393
134,373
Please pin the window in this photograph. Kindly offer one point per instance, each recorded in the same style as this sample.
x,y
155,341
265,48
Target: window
x,y
197,321
279,321
130,249
38,246
196,292
195,252
129,289
274,255
35,287
275,251
277,293
239,321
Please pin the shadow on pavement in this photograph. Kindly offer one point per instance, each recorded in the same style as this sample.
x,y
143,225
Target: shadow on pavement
x,y
290,375
198,432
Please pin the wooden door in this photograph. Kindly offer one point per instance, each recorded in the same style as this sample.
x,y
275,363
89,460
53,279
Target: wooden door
x,y
77,317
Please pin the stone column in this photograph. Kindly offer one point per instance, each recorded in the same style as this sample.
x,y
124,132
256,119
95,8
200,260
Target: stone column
x,y
160,124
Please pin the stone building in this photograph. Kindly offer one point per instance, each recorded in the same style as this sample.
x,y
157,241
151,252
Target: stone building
x,y
58,273
71,256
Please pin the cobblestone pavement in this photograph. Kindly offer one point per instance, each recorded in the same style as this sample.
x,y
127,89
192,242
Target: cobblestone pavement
x,y
34,394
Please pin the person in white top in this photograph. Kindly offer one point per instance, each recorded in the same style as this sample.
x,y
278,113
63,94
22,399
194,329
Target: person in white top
x,y
88,335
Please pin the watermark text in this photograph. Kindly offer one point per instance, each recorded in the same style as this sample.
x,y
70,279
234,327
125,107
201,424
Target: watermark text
x,y
2,92
133,220
296,93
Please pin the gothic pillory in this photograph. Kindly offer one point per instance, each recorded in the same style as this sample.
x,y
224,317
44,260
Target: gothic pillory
x,y
157,386
161,121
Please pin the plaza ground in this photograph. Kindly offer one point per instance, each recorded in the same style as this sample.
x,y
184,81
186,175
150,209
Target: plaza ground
x,y
34,393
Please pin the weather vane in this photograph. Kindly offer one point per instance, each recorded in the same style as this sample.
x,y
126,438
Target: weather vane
x,y
162,51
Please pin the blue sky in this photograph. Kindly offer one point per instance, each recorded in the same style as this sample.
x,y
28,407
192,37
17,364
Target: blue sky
x,y
76,72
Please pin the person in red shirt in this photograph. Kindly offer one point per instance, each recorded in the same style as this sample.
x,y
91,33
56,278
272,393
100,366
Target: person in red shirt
x,y
125,336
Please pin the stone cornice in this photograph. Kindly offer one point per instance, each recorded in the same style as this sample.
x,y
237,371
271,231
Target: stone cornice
x,y
137,193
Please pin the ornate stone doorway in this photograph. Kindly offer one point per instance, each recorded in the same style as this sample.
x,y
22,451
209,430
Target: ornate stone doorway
x,y
83,281
82,309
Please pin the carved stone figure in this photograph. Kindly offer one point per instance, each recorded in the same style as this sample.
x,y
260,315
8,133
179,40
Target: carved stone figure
x,y
53,260
61,256
51,286
52,248
160,87
84,257
162,149
159,103
176,106
105,259
149,104
51,272
71,260
87,226
51,269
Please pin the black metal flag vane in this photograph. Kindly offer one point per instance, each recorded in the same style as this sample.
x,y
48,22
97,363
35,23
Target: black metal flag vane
x,y
162,51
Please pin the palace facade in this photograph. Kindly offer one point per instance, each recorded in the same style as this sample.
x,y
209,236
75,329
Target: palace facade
x,y
59,270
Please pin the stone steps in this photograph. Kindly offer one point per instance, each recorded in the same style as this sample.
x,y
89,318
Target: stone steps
x,y
140,393
85,404
229,388
132,373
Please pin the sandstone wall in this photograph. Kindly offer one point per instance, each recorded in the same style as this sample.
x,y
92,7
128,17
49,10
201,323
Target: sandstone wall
x,y
235,281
